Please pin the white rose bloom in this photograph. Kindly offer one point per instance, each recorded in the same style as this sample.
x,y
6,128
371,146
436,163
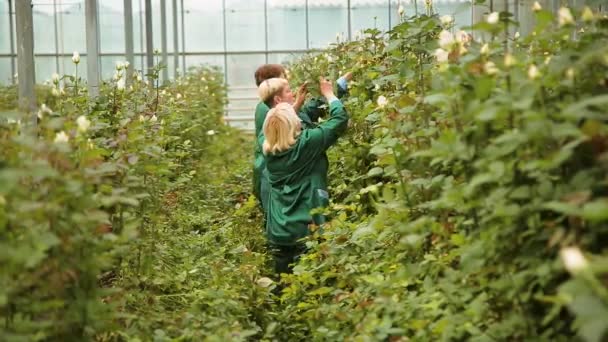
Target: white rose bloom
x,y
376,87
564,16
61,137
509,60
55,78
587,14
570,73
127,65
485,49
83,123
120,84
536,7
153,118
142,118
462,37
76,57
178,96
490,68
210,132
55,92
401,10
264,282
493,18
441,55
382,101
533,72
573,259
119,66
446,39
517,35
446,19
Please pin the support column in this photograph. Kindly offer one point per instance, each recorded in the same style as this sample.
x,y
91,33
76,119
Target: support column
x,y
149,41
92,32
25,59
183,38
56,27
128,9
163,40
349,22
175,41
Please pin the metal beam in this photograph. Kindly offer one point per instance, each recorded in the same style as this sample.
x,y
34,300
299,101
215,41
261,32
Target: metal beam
x,y
25,59
129,50
56,27
92,33
175,42
149,41
183,38
163,39
225,42
266,31
11,33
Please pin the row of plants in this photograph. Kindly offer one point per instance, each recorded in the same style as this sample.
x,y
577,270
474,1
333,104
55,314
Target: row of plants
x,y
126,217
470,196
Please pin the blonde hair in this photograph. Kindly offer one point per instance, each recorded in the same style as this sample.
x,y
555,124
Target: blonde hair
x,y
271,87
281,128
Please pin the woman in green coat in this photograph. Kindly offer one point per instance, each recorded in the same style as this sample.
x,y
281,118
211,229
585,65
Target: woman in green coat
x,y
297,168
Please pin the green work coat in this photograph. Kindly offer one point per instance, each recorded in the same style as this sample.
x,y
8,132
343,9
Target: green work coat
x,y
309,114
298,180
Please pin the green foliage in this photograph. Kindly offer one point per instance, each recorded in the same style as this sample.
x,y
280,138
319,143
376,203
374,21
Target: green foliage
x,y
452,200
121,231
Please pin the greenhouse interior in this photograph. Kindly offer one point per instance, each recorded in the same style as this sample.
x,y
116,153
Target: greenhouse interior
x,y
304,170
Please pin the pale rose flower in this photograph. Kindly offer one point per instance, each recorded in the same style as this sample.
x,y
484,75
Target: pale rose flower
x,y
142,118
493,18
55,92
119,66
83,123
587,15
441,55
536,7
44,110
490,68
76,57
533,72
153,118
517,35
61,137
120,84
178,96
401,10
570,73
485,49
446,19
382,101
264,282
210,132
509,60
446,39
564,16
573,259
127,65
55,78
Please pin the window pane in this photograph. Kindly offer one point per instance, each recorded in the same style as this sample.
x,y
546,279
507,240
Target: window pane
x,y
204,25
245,25
5,70
45,67
210,60
241,69
325,22
5,46
44,28
71,22
365,15
111,26
286,28
283,58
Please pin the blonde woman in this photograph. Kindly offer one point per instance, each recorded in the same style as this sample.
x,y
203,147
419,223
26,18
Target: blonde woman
x,y
273,89
296,169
